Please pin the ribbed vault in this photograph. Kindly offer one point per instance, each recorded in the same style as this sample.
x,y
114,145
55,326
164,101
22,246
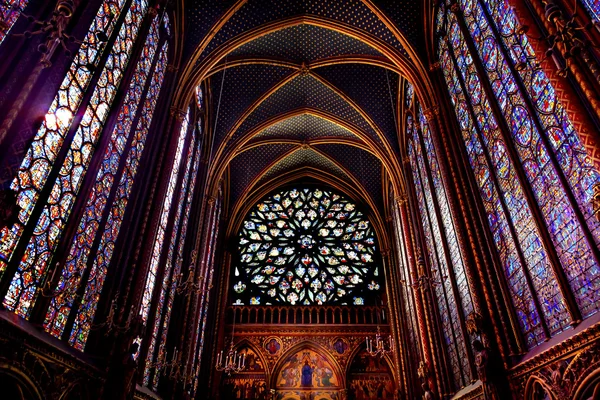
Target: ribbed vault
x,y
303,89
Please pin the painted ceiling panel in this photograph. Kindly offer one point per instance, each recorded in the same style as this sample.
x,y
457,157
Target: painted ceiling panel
x,y
372,88
258,12
407,15
238,94
364,166
304,43
303,158
200,17
249,164
304,91
304,127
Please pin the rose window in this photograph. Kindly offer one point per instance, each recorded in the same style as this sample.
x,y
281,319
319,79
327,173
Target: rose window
x,y
305,246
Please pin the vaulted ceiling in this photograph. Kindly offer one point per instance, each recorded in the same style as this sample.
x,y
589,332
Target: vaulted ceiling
x,y
305,88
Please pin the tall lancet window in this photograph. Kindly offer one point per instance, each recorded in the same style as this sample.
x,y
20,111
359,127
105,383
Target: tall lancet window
x,y
9,13
55,166
535,178
449,281
169,246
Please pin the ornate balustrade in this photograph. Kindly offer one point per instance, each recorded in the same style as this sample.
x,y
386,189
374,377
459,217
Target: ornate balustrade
x,y
307,315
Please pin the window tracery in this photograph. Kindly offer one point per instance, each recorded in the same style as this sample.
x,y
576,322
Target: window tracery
x,y
306,246
75,296
9,13
445,260
533,173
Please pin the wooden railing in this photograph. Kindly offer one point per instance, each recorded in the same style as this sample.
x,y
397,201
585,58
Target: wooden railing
x,y
308,315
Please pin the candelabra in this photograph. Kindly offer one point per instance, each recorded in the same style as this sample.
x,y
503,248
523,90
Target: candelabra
x,y
233,362
47,290
56,29
189,286
379,346
111,324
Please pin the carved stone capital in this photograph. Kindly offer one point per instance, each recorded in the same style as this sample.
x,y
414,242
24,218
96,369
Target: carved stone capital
x,y
431,113
435,66
178,113
172,68
401,199
153,12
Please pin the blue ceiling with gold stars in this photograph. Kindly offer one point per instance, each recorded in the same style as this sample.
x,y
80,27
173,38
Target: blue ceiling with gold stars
x,y
303,86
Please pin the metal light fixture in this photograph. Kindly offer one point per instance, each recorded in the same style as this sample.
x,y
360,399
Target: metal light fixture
x,y
379,346
233,362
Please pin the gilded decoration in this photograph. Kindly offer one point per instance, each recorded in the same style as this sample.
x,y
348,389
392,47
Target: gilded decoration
x,y
41,370
566,370
273,345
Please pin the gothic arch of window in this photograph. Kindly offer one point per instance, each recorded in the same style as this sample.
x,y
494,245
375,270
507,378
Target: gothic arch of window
x,y
9,13
450,285
534,176
51,176
307,246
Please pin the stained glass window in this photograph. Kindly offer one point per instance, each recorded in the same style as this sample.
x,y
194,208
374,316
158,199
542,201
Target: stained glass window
x,y
174,261
409,93
593,6
406,288
208,271
98,198
90,253
10,10
47,142
164,219
306,246
446,265
23,289
543,144
199,97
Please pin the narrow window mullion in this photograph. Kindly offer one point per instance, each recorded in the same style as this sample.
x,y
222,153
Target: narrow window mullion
x,y
65,283
451,272
433,253
543,136
501,197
